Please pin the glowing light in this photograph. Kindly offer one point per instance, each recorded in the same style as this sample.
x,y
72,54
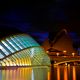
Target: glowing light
x,y
54,61
57,54
3,64
73,54
6,62
66,64
64,51
47,51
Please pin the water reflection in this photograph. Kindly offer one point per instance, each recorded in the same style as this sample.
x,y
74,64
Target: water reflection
x,y
40,73
74,73
58,72
24,74
66,72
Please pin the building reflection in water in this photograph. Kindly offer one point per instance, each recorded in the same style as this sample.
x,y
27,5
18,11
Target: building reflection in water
x,y
68,72
24,74
65,73
74,72
58,72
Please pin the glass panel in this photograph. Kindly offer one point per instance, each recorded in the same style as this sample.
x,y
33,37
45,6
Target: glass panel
x,y
27,44
8,46
16,60
29,41
17,43
6,62
29,56
20,41
13,44
18,56
25,41
1,56
32,51
4,50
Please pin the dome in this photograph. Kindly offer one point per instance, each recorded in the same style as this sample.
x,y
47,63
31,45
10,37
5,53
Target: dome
x,y
22,50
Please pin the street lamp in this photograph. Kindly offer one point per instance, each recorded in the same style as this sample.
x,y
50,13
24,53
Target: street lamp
x,y
73,54
47,51
64,51
57,54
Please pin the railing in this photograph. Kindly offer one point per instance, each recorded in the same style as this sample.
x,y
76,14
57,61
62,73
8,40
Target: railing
x,y
64,59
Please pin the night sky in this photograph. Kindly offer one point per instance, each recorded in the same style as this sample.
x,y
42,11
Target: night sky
x,y
41,19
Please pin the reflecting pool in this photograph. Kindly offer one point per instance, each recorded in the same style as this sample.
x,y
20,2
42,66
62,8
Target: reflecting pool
x,y
23,73
65,73
40,73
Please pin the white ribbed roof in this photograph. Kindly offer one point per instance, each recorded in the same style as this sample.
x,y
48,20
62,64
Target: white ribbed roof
x,y
21,50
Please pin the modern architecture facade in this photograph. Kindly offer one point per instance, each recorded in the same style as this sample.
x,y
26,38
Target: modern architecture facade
x,y
22,50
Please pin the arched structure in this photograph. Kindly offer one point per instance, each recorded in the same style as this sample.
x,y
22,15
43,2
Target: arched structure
x,y
62,43
64,62
65,59
22,50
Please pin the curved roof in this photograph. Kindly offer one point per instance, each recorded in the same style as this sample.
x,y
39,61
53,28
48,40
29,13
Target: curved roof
x,y
62,42
21,50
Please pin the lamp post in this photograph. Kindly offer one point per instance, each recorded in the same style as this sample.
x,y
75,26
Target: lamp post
x,y
73,54
64,51
57,54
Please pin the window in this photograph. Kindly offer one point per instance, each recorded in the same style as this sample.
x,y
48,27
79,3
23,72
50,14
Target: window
x,y
1,56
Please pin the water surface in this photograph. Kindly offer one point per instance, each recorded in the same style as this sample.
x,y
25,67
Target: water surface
x,y
24,73
66,73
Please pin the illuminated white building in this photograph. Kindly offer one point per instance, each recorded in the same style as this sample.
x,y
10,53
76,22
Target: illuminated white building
x,y
22,50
